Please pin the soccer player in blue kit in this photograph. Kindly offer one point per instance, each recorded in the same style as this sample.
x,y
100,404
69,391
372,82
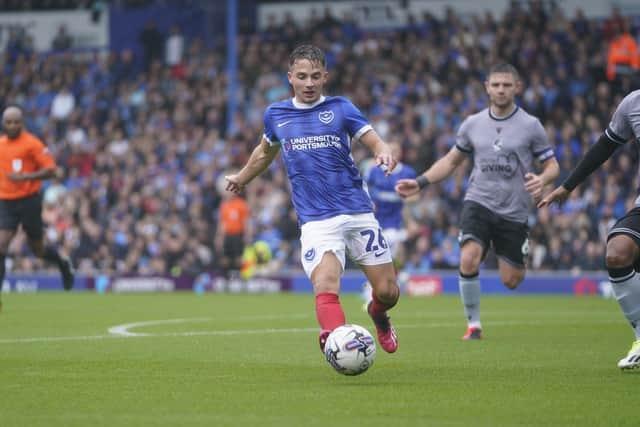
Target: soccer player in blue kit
x,y
389,208
389,204
314,133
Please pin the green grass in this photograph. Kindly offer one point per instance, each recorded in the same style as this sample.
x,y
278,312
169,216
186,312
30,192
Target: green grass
x,y
545,361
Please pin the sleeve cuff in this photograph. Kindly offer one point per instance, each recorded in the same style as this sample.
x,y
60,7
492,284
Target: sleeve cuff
x,y
264,135
613,136
364,129
464,150
544,155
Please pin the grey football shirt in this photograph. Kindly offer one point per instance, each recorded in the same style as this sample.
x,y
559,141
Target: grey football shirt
x,y
625,122
504,150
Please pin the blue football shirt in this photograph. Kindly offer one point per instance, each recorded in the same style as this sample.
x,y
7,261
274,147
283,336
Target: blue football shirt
x,y
315,142
382,190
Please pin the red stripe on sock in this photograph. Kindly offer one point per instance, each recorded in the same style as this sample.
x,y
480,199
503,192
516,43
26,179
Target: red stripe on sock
x,y
329,311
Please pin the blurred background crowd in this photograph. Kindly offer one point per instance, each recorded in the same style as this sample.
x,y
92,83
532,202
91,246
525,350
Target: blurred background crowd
x,y
144,141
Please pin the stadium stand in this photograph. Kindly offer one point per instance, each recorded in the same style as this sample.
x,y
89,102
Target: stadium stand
x,y
143,146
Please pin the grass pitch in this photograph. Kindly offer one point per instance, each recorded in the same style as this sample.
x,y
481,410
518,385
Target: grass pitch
x,y
253,360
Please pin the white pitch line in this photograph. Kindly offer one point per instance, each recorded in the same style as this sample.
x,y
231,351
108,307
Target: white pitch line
x,y
123,330
266,331
54,339
237,332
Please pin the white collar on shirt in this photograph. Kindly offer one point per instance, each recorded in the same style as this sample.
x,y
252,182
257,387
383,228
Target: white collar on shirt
x,y
301,105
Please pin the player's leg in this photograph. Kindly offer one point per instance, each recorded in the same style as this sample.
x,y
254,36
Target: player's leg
x,y
621,259
385,294
323,259
51,255
233,245
326,288
368,248
622,253
510,274
394,238
5,239
9,221
511,242
34,228
474,239
471,255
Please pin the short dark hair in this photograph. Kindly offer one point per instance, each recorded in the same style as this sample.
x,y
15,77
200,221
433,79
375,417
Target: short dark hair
x,y
313,54
505,67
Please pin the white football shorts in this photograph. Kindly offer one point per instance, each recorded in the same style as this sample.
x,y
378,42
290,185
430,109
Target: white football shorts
x,y
358,236
395,237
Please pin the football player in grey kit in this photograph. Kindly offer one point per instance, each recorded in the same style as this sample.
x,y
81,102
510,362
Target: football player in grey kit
x,y
505,143
622,256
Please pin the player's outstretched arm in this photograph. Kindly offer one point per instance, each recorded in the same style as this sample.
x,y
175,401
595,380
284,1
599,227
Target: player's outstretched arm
x,y
261,157
436,173
384,157
592,160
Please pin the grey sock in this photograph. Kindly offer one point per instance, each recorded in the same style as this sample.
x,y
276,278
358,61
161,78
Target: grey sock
x,y
470,296
626,288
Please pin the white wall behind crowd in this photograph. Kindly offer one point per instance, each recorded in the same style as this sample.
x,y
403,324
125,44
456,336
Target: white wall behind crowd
x,y
381,14
43,27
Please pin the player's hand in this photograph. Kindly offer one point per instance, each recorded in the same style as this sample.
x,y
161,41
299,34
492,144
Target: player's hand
x,y
233,184
387,162
407,187
559,195
534,185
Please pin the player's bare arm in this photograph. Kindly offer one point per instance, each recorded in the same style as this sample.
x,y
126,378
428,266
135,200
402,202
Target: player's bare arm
x,y
535,184
380,149
261,157
599,153
436,173
37,175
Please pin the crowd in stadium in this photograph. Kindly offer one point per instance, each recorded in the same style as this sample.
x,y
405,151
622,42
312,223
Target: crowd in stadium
x,y
143,142
61,5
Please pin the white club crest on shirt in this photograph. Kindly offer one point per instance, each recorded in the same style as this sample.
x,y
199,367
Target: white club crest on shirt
x,y
325,116
16,164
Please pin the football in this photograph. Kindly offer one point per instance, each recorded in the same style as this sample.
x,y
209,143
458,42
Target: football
x,y
350,349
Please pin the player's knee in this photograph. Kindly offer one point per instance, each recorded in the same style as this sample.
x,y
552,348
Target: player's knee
x,y
326,283
618,260
325,286
469,264
618,255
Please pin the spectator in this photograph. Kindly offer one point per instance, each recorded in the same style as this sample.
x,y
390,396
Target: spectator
x,y
62,41
623,57
231,236
152,42
62,105
174,48
418,85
